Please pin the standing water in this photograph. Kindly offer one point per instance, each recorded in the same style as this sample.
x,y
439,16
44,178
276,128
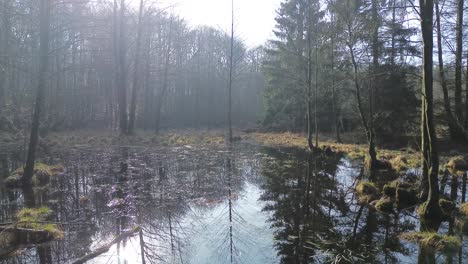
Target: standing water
x,y
246,204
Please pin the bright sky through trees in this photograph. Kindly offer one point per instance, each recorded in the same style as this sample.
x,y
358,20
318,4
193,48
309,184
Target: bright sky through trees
x,y
255,19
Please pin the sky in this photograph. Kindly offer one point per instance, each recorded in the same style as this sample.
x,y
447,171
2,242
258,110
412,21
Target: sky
x,y
254,19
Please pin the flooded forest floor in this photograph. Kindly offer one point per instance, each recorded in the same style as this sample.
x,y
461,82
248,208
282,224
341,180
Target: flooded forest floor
x,y
188,197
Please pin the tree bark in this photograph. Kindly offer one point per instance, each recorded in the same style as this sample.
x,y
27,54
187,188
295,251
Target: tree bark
x,y
44,14
431,214
136,83
122,74
4,49
231,70
334,95
458,62
455,128
371,144
309,80
162,95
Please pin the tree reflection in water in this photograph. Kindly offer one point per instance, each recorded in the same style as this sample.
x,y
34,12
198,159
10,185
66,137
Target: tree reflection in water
x,y
246,204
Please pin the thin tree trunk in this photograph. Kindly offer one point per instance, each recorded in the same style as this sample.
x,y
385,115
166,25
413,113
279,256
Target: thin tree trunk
x,y
309,80
369,135
431,214
136,83
393,53
44,13
373,86
4,49
455,128
231,69
162,95
122,75
466,102
334,96
458,63
316,92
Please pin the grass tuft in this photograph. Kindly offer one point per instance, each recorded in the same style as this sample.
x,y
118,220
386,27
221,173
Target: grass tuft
x,y
433,240
34,218
367,191
464,209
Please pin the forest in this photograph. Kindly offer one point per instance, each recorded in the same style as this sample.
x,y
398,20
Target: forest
x,y
131,134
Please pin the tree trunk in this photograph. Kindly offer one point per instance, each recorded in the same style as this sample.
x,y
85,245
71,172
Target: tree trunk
x,y
334,95
122,74
44,14
431,213
455,128
466,104
4,55
309,80
231,70
393,53
458,62
371,150
162,95
136,83
316,92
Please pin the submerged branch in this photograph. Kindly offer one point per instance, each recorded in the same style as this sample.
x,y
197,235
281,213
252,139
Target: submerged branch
x,y
105,248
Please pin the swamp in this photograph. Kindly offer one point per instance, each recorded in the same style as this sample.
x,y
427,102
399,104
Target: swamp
x,y
233,131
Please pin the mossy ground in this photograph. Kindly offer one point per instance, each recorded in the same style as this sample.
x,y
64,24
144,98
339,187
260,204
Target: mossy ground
x,y
433,240
42,174
463,209
400,160
367,191
34,218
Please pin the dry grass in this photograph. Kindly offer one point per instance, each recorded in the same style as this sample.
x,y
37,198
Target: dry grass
x,y
367,192
141,138
42,173
463,209
34,218
433,240
400,160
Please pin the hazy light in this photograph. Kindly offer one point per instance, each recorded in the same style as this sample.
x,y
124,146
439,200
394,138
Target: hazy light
x,y
254,18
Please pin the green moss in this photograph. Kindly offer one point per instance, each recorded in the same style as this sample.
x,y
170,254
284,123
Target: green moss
x,y
385,205
457,164
33,214
399,163
367,191
433,240
42,174
447,206
34,218
405,193
464,209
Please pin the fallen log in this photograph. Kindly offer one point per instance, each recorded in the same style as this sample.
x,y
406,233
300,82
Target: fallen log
x,y
103,249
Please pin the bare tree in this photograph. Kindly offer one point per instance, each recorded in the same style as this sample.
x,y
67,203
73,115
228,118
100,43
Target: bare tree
x,y
122,72
458,62
431,213
231,72
455,127
167,64
136,69
44,16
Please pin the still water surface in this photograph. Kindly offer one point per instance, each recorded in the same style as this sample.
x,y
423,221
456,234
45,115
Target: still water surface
x,y
246,204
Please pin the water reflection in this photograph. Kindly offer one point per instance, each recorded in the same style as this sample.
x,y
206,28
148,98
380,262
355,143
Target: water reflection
x,y
246,204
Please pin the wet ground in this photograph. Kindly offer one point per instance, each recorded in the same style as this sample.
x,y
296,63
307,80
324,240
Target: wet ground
x,y
246,204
